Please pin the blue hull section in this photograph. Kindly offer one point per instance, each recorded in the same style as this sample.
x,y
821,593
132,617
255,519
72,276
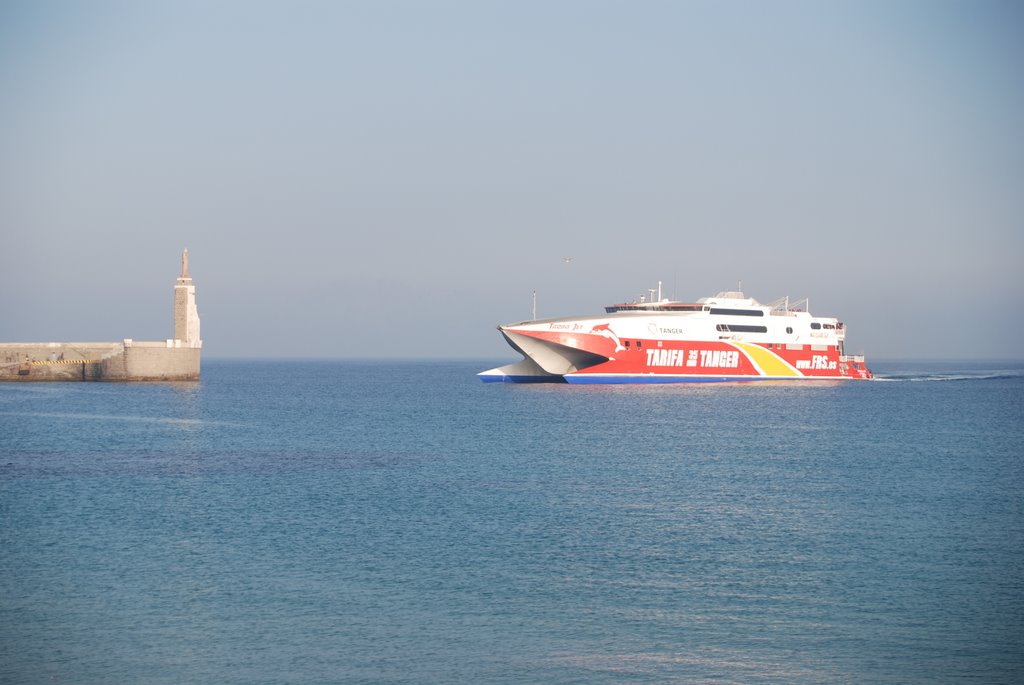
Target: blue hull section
x,y
521,379
658,380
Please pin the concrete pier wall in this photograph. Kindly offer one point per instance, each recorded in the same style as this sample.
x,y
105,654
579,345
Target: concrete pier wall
x,y
167,360
158,361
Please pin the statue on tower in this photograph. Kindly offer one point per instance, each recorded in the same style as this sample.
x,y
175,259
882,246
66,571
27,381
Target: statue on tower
x,y
184,264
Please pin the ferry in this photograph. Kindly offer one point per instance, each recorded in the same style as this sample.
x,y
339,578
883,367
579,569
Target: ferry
x,y
728,337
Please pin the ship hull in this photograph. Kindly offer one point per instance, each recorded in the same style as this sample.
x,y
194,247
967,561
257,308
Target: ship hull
x,y
692,347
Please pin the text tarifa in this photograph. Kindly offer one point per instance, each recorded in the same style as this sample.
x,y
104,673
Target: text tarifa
x,y
694,358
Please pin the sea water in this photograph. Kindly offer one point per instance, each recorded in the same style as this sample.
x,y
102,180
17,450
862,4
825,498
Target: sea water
x,y
401,522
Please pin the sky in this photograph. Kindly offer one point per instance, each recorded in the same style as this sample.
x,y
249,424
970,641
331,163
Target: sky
x,y
394,179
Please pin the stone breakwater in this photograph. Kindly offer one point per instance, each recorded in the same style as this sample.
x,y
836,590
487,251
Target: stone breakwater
x,y
169,360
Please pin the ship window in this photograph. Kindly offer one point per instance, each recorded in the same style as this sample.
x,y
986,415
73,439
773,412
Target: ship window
x,y
789,329
815,326
627,344
736,312
740,328
639,344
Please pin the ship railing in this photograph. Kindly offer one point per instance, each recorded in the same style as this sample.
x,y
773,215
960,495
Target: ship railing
x,y
858,358
784,306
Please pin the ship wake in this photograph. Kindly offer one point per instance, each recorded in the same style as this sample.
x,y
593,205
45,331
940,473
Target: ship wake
x,y
938,377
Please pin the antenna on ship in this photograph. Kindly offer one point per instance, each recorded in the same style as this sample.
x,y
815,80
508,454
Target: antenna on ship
x,y
534,310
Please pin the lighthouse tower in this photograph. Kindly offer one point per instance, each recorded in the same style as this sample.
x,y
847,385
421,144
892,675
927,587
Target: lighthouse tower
x,y
186,316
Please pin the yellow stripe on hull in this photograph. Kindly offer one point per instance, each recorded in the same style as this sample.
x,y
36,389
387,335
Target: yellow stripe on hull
x,y
769,363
